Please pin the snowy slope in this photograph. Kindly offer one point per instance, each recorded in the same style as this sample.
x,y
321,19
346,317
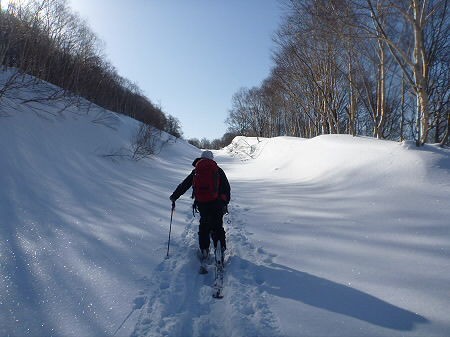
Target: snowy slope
x,y
80,232
358,230
333,236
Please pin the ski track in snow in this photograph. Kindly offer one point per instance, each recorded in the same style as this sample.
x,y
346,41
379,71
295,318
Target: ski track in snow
x,y
179,301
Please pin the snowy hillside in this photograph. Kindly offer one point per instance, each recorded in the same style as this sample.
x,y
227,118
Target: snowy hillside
x,y
333,236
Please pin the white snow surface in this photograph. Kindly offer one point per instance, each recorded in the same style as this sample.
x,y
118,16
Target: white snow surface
x,y
332,236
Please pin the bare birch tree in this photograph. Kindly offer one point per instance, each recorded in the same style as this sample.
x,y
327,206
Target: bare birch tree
x,y
415,15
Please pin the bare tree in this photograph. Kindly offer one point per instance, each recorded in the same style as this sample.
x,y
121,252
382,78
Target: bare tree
x,y
239,118
45,39
415,17
354,66
145,142
173,127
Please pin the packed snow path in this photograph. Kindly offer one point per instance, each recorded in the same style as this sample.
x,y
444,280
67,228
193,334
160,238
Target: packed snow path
x,y
180,301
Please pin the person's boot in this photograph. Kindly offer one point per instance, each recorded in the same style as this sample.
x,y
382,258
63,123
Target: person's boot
x,y
205,254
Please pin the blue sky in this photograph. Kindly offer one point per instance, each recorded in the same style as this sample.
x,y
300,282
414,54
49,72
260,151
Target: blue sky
x,y
188,56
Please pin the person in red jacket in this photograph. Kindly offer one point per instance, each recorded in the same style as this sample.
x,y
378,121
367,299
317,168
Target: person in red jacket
x,y
211,193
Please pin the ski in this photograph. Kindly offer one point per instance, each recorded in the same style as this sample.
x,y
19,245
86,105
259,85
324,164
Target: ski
x,y
218,284
217,289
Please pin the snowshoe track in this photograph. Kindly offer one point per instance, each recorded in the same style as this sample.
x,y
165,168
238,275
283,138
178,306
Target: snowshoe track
x,y
250,310
180,303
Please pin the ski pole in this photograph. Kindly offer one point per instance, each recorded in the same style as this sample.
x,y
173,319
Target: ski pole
x,y
170,227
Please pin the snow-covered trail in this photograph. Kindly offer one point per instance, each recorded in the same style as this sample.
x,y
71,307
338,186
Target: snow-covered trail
x,y
179,301
310,257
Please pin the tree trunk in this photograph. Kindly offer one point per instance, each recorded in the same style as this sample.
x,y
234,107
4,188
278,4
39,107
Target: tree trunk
x,y
420,72
352,103
445,138
402,117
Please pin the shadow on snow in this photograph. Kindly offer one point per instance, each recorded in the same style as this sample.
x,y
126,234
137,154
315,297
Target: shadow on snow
x,y
318,292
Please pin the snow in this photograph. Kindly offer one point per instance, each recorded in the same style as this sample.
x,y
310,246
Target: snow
x,y
331,236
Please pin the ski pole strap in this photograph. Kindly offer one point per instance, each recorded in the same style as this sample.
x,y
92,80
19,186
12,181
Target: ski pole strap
x,y
194,208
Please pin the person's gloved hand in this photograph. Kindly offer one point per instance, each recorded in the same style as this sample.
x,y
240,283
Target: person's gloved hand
x,y
173,199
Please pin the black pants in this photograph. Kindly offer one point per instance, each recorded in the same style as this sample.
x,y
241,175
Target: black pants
x,y
211,224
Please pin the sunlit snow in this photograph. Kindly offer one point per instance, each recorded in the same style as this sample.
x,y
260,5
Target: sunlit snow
x,y
331,236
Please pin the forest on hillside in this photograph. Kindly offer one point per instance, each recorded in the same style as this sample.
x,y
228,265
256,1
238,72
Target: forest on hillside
x,y
376,68
48,40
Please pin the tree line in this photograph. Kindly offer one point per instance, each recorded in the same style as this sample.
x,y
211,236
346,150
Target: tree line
x,y
46,39
376,68
216,144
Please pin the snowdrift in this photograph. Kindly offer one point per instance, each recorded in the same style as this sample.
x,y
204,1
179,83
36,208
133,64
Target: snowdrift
x,y
365,214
